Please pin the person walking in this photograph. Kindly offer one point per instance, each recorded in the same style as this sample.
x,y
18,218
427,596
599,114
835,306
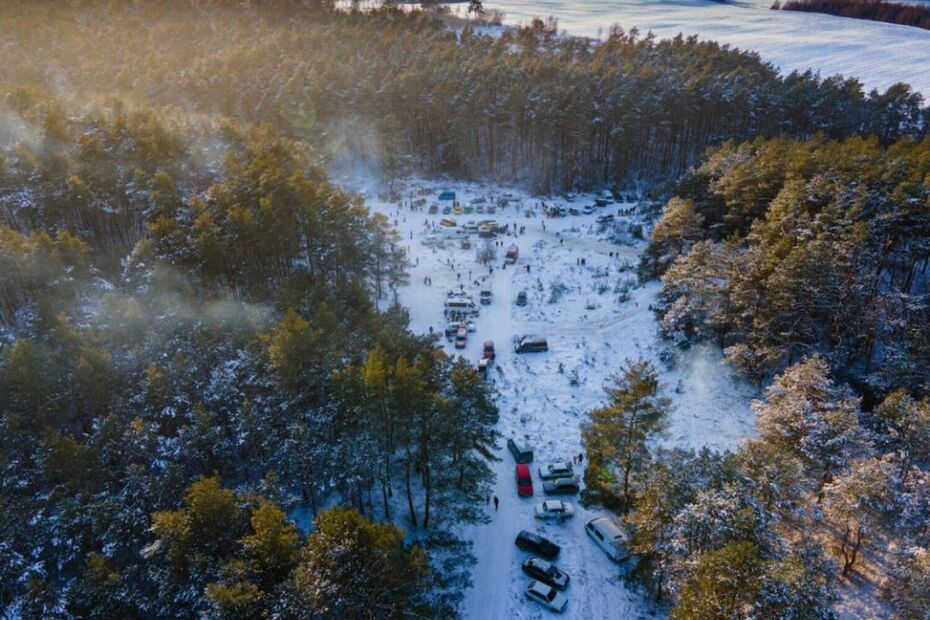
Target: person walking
x,y
496,502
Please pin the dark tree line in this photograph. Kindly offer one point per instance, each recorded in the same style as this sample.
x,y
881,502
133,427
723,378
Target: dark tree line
x,y
407,93
875,10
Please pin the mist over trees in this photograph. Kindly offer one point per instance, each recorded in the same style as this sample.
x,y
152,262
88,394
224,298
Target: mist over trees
x,y
406,91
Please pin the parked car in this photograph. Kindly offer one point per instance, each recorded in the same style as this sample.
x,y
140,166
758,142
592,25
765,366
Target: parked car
x,y
521,451
451,331
479,209
471,327
488,349
491,209
446,210
521,298
458,210
448,223
534,543
556,470
610,537
601,202
554,510
486,297
531,344
547,595
587,209
461,338
574,211
605,219
546,572
433,209
524,481
561,486
513,253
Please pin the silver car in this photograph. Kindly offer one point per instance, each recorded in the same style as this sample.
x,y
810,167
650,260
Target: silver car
x,y
546,595
556,470
554,510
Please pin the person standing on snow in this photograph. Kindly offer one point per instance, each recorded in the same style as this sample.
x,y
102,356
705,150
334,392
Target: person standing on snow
x,y
496,502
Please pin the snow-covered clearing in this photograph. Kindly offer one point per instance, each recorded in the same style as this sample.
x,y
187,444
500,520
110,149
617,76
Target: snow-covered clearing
x,y
878,54
543,396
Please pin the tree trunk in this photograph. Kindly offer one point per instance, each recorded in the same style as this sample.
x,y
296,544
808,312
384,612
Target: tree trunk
x,y
384,497
428,482
850,549
413,511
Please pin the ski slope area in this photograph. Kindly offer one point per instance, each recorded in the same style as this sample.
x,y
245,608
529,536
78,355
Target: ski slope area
x,y
878,54
591,328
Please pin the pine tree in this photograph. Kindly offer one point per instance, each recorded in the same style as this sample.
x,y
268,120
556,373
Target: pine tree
x,y
618,435
352,567
722,584
806,414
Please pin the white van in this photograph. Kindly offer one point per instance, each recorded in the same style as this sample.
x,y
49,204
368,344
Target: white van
x,y
610,537
461,304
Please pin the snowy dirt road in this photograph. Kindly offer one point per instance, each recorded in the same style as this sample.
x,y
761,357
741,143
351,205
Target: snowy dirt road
x,y
594,316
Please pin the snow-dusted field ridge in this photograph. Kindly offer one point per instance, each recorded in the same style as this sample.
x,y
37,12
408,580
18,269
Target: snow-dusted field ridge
x,y
591,327
878,54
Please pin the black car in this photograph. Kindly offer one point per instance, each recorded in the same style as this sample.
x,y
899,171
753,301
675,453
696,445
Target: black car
x,y
433,209
545,572
534,543
561,486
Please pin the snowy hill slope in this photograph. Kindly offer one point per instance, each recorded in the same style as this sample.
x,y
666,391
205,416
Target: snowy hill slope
x,y
878,54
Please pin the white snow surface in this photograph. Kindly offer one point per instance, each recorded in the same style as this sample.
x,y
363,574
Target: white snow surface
x,y
876,53
589,334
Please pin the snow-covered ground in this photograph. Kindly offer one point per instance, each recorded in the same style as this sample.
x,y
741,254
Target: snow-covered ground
x,y
878,54
590,332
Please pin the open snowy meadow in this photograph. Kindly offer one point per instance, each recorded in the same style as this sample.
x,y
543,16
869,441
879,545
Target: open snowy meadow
x,y
582,295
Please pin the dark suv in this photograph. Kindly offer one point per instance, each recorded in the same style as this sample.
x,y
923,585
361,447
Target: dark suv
x,y
534,543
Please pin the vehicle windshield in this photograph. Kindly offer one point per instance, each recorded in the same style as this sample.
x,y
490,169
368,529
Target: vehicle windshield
x,y
551,594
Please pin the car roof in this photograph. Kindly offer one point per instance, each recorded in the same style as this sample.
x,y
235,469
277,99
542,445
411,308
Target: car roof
x,y
540,588
539,563
523,468
553,504
611,527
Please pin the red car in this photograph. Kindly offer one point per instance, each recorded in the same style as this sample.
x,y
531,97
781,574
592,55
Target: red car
x,y
524,481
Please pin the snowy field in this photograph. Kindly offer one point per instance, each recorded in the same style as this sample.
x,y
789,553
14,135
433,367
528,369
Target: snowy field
x,y
878,54
591,328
